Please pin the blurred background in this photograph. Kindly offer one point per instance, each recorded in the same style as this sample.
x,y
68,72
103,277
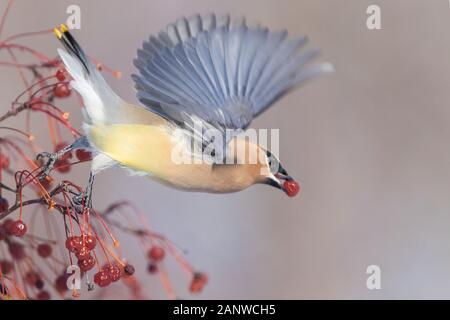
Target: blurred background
x,y
369,145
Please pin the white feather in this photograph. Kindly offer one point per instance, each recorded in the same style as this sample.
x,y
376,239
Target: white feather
x,y
95,109
101,162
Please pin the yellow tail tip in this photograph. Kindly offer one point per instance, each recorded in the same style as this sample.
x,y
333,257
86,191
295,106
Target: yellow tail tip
x,y
57,33
63,27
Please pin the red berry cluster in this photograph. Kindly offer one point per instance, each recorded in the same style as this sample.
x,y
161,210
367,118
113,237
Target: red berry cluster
x,y
29,263
107,275
62,165
82,246
10,229
61,89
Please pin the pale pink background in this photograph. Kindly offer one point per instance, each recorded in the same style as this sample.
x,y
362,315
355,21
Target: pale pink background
x,y
369,144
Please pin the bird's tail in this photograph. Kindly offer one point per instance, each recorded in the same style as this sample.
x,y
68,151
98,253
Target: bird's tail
x,y
102,105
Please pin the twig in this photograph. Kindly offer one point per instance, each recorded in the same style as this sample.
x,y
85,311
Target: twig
x,y
15,111
4,186
40,200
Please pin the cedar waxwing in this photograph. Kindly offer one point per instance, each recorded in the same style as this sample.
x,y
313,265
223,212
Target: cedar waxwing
x,y
202,72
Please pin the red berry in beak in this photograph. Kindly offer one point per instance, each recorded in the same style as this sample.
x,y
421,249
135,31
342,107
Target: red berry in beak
x,y
291,187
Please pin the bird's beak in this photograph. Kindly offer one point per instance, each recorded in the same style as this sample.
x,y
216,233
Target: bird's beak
x,y
287,183
282,180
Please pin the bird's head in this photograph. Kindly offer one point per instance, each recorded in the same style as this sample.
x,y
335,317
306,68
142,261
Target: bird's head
x,y
255,164
274,174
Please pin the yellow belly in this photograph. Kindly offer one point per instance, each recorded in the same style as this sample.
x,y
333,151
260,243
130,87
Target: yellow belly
x,y
148,149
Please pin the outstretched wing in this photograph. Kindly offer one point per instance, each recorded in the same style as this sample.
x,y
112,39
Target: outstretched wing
x,y
225,74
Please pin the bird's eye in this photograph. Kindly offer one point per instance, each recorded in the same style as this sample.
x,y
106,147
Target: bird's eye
x,y
271,162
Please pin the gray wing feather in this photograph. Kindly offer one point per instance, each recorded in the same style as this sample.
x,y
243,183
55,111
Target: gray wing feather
x,y
221,72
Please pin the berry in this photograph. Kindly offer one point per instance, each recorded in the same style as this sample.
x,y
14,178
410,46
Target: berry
x,y
61,283
156,253
152,268
18,228
39,284
114,272
3,205
291,187
43,295
74,244
62,165
198,282
44,250
129,270
16,250
7,224
90,242
31,277
59,147
35,103
4,162
102,278
61,90
83,253
60,75
83,155
6,266
86,264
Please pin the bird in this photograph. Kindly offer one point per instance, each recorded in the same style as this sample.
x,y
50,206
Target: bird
x,y
200,83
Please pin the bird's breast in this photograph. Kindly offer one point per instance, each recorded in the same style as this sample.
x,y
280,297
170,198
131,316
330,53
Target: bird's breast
x,y
157,151
139,147
154,150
